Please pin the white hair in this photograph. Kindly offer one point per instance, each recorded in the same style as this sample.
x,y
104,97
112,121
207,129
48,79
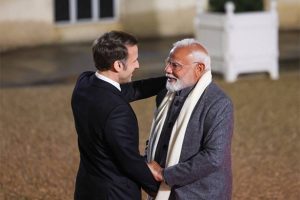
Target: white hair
x,y
199,55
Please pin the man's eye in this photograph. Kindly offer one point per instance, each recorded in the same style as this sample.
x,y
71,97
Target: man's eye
x,y
175,65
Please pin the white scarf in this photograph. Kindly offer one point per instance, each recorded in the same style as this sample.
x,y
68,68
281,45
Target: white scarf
x,y
179,128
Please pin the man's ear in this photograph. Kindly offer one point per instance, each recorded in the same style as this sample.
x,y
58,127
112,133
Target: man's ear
x,y
117,66
200,69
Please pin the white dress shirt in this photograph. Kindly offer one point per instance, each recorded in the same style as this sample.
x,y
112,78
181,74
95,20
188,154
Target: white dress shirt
x,y
106,79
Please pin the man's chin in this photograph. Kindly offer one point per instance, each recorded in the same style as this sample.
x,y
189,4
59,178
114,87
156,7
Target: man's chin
x,y
173,87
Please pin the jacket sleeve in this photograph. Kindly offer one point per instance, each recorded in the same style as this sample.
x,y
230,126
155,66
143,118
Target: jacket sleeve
x,y
123,139
142,89
214,152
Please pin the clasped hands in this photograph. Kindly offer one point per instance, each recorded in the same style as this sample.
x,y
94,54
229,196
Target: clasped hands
x,y
156,170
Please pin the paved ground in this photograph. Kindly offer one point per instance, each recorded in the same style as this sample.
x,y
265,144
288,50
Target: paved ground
x,y
39,154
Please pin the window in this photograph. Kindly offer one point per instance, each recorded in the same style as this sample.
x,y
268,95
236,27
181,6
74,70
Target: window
x,y
72,11
62,11
84,10
106,9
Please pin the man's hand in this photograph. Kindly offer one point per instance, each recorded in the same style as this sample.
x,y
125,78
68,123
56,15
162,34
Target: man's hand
x,y
156,170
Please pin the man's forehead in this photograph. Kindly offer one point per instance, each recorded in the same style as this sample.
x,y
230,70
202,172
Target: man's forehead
x,y
180,53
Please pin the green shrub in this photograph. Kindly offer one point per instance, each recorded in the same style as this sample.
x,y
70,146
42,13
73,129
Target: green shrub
x,y
240,5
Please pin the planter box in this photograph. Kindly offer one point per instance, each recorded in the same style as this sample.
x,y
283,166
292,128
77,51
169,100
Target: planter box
x,y
240,43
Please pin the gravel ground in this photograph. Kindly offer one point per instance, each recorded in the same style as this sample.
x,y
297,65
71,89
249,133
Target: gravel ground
x,y
39,155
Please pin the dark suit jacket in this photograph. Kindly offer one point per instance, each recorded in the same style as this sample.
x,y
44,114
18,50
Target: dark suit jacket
x,y
204,169
110,164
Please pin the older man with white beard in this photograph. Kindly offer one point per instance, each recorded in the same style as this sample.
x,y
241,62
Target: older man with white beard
x,y
192,129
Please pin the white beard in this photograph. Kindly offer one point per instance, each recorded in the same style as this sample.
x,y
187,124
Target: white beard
x,y
174,87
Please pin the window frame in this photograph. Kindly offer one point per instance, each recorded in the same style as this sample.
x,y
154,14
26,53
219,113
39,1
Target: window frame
x,y
95,18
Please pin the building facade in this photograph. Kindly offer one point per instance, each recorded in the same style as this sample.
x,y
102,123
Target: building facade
x,y
36,22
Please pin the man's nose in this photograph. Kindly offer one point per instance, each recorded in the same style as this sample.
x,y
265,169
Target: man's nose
x,y
168,68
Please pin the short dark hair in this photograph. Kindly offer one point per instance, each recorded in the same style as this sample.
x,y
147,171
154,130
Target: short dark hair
x,y
110,47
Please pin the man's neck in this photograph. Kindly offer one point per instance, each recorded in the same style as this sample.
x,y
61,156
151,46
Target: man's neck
x,y
108,77
109,74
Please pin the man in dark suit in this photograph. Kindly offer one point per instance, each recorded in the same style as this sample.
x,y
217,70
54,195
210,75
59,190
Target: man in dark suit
x,y
110,164
192,129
